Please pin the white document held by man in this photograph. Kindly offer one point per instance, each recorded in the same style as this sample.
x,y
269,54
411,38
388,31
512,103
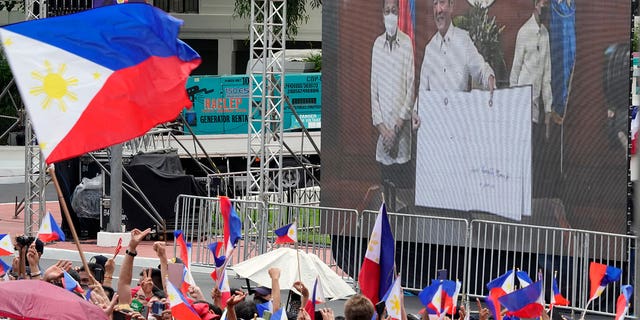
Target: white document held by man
x,y
473,156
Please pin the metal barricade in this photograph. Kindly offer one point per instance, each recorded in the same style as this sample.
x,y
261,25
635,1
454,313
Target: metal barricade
x,y
547,252
424,245
201,221
320,231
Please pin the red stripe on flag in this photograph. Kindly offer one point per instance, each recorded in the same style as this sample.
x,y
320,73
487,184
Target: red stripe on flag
x,y
132,101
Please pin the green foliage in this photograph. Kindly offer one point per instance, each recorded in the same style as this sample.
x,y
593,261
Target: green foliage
x,y
8,111
316,58
296,13
485,34
634,38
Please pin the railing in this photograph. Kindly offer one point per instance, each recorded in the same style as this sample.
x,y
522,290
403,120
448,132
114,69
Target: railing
x,y
473,253
299,184
178,6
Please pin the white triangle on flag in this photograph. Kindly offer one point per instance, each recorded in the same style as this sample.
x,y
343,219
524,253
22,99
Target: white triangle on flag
x,y
55,85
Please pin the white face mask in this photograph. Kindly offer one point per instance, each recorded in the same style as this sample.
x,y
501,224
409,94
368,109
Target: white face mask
x,y
391,23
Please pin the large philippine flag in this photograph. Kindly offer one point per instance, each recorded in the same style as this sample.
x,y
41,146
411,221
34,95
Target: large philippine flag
x,y
49,229
376,275
99,77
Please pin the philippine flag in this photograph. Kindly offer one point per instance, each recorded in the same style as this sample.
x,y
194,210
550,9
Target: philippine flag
x,y
498,287
225,290
215,248
600,275
523,279
99,77
4,268
287,234
635,124
393,301
280,314
69,283
49,229
557,299
526,302
232,224
450,292
6,245
622,305
431,298
317,297
376,273
180,308
178,237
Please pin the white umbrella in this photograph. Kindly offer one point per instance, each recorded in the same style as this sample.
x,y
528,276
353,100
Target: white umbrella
x,y
256,269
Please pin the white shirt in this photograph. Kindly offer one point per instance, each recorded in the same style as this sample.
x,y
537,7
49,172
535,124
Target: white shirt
x,y
450,61
532,64
392,77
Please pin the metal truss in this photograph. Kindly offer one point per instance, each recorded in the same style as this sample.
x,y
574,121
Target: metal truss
x,y
35,174
266,85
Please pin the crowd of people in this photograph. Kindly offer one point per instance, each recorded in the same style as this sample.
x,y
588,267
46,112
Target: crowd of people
x,y
149,298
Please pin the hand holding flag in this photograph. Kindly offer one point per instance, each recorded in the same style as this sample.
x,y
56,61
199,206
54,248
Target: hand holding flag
x,y
393,300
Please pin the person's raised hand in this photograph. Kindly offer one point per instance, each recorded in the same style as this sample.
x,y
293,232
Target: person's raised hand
x,y
53,273
327,313
108,308
274,273
109,267
196,293
484,313
236,298
462,312
32,255
298,285
160,248
303,315
146,284
64,265
137,236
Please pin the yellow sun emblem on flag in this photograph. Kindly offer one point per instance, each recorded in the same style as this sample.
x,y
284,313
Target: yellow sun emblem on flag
x,y
395,304
55,86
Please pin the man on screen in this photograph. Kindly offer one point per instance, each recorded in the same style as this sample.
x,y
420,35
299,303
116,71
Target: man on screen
x,y
392,78
532,62
451,58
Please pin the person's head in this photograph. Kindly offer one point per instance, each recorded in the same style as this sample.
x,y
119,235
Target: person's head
x,y
358,307
205,310
442,11
390,16
246,309
540,9
261,294
95,269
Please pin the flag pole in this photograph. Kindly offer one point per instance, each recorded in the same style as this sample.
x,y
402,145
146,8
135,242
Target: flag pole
x,y
67,216
297,251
